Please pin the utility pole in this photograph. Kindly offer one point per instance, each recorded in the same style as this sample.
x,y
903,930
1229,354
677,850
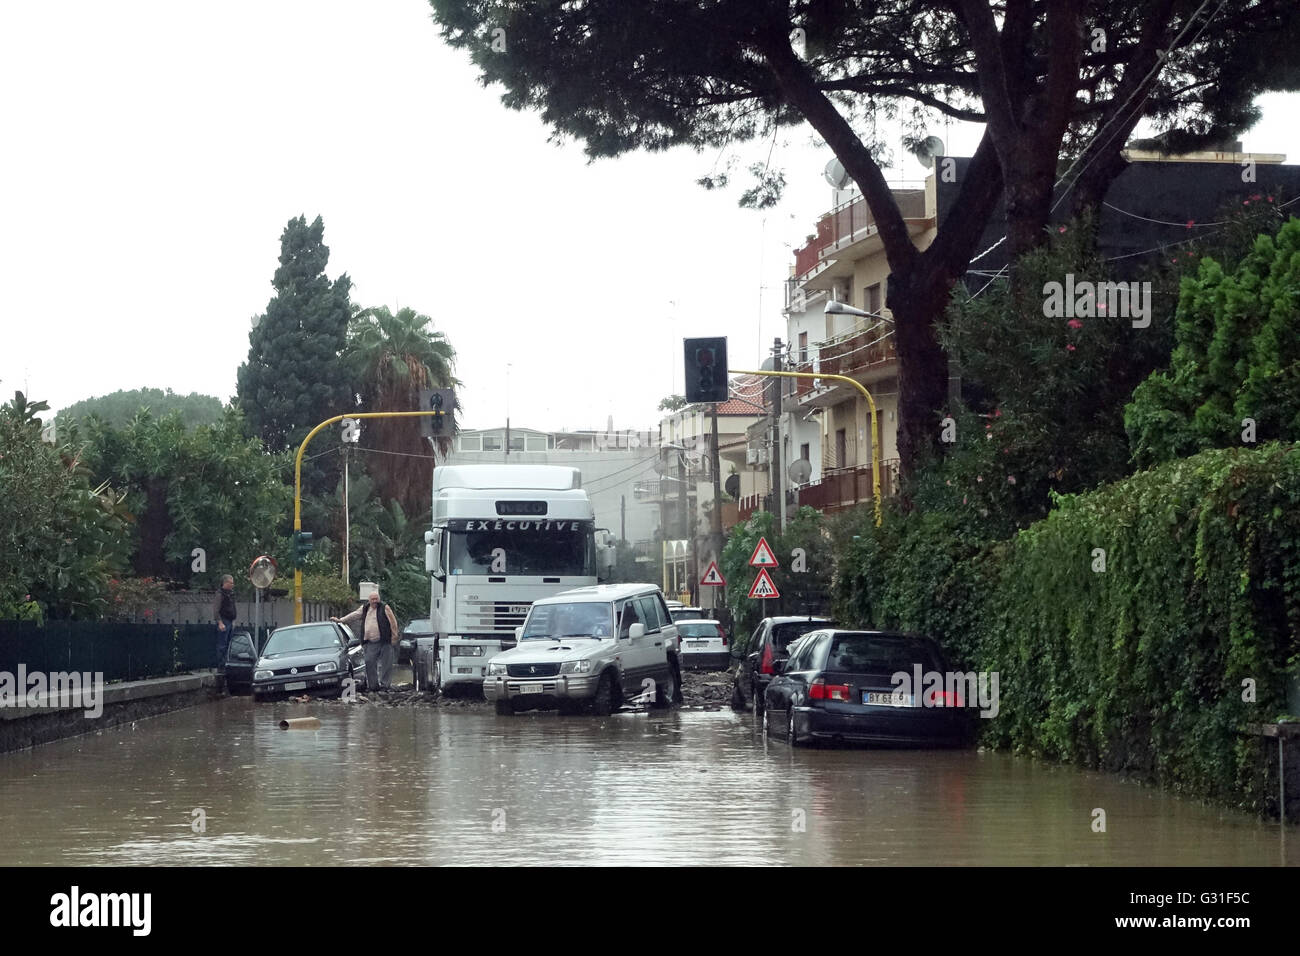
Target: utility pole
x,y
684,498
778,478
622,518
347,521
716,537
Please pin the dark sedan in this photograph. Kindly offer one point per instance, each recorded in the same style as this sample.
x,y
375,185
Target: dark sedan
x,y
837,686
768,646
305,658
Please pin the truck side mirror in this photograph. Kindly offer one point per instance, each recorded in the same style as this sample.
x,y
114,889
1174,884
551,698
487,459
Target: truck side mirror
x,y
519,633
433,554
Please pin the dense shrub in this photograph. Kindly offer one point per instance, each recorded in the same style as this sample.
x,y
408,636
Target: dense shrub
x,y
1137,668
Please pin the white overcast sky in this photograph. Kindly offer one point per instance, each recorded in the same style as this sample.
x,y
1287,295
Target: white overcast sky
x,y
153,152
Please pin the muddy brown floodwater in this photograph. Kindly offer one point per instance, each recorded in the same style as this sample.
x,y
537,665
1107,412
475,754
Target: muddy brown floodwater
x,y
427,785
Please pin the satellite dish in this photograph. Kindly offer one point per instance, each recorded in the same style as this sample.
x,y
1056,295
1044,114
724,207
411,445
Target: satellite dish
x,y
799,471
837,175
732,486
930,147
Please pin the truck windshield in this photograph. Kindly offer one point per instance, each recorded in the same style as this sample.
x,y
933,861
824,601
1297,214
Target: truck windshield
x,y
554,621
546,552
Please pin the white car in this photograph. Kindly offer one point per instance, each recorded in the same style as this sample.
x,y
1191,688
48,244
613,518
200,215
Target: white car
x,y
704,644
598,647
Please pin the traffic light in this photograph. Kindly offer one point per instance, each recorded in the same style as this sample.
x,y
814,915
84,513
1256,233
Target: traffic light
x,y
302,546
443,401
706,370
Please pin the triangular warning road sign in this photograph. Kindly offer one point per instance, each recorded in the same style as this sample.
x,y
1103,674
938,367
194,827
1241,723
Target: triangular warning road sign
x,y
763,556
712,576
763,586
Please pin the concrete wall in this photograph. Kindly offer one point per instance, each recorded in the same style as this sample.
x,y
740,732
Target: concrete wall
x,y
23,727
195,607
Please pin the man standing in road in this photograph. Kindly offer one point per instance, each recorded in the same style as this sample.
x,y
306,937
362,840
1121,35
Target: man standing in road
x,y
225,611
379,635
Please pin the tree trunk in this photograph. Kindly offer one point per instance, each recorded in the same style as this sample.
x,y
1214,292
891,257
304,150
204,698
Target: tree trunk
x,y
917,302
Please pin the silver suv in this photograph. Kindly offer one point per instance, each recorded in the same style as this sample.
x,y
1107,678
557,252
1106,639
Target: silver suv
x,y
596,647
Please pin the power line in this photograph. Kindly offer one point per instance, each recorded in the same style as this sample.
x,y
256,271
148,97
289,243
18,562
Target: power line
x,y
1093,139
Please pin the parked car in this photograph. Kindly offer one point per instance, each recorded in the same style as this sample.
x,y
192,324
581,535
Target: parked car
x,y
241,655
685,612
416,629
594,647
836,686
315,658
767,647
704,644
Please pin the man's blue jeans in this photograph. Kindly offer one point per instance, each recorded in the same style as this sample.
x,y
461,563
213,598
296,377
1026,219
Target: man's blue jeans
x,y
223,643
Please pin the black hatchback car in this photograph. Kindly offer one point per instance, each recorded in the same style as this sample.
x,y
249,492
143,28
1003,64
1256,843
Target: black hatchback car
x,y
768,646
305,658
837,686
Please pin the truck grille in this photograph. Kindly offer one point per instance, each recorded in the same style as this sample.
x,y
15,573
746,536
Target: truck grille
x,y
485,616
532,670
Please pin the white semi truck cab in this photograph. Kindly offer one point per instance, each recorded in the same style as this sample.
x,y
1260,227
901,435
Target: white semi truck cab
x,y
503,536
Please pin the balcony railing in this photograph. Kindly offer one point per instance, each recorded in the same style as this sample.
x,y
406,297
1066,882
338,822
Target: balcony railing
x,y
842,488
748,504
846,220
846,354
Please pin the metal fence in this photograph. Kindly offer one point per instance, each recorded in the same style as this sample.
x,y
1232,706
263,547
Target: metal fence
x,y
120,651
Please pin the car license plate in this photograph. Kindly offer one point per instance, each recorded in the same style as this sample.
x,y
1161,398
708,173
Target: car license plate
x,y
886,699
296,685
698,643
530,688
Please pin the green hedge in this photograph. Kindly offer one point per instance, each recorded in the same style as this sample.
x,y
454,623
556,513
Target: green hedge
x,y
1138,668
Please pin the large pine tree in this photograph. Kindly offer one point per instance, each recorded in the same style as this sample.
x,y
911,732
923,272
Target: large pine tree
x,y
294,377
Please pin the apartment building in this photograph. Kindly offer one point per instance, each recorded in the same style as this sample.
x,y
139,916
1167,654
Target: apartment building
x,y
828,424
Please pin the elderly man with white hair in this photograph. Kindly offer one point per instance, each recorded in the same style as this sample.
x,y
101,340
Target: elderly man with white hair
x,y
379,635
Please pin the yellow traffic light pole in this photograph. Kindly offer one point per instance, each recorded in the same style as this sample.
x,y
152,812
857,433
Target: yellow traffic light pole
x,y
875,424
297,489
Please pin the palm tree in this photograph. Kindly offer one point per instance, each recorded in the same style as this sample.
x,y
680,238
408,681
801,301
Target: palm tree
x,y
392,358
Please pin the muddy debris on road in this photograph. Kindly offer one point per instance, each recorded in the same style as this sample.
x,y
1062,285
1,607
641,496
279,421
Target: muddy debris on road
x,y
708,690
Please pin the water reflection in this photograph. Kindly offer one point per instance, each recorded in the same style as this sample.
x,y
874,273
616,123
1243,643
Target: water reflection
x,y
419,786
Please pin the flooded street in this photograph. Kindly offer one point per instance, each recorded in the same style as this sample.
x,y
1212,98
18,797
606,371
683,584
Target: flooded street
x,y
423,785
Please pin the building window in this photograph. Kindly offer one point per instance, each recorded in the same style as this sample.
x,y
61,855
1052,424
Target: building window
x,y
803,348
805,452
841,447
471,443
516,442
491,443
